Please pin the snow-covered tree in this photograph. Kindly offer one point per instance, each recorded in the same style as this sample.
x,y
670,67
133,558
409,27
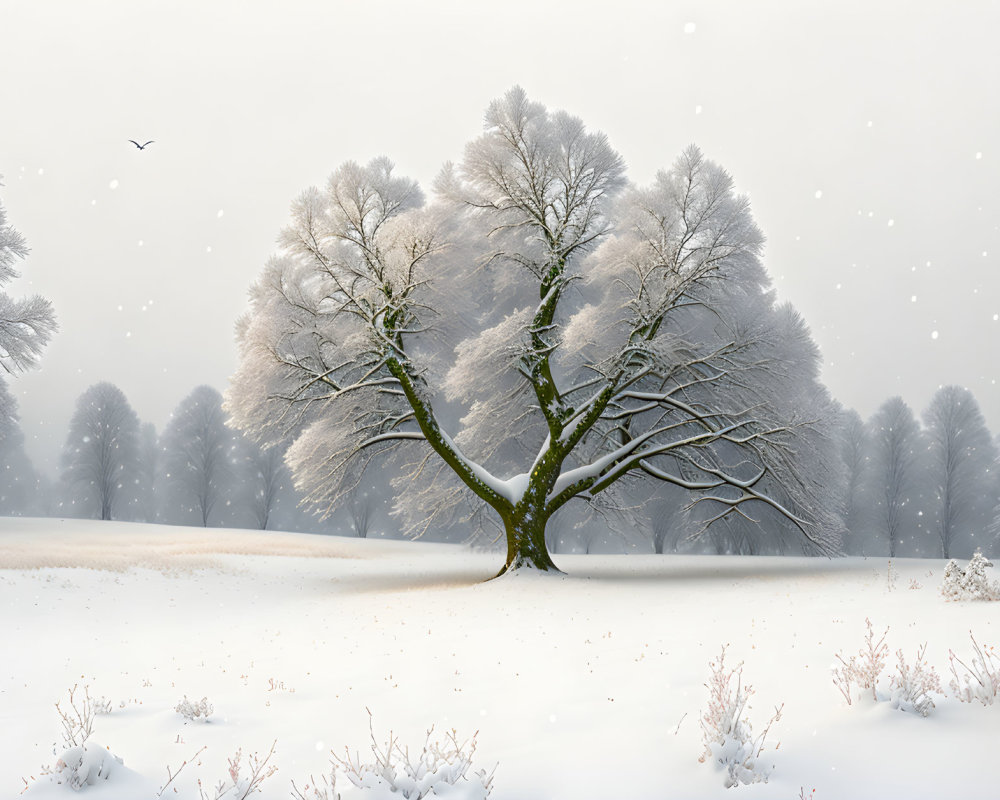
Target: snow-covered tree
x,y
199,458
541,332
100,461
902,503
27,324
962,460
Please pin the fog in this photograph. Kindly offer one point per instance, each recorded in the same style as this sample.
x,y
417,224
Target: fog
x,y
864,135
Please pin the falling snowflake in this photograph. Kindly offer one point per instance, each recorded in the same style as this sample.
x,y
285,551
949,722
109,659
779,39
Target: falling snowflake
x,y
913,298
113,184
819,193
208,249
892,222
979,156
41,171
140,243
219,215
934,334
690,27
697,109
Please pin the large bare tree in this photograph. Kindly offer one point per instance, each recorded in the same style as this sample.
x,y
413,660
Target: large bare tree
x,y
539,333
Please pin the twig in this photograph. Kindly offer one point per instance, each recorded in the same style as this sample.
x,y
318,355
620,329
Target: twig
x,y
173,775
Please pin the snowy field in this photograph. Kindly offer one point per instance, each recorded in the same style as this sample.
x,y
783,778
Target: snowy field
x,y
587,686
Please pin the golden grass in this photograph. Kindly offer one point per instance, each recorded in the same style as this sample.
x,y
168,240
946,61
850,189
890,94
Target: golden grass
x,y
116,547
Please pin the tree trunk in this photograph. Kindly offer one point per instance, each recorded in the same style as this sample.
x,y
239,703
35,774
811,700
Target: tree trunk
x,y
526,544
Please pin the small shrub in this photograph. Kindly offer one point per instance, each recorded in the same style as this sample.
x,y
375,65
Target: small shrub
x,y
193,711
78,719
729,741
84,766
981,680
970,583
239,786
912,687
863,669
440,770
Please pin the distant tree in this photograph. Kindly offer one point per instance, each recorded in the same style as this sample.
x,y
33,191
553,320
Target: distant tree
x,y
857,497
962,459
26,325
270,493
901,505
993,532
199,462
100,462
149,456
359,506
616,332
18,479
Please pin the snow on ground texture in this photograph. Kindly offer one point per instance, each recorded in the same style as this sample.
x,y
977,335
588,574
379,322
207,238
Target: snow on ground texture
x,y
588,685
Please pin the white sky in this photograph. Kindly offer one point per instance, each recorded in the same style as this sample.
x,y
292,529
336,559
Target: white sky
x,y
866,135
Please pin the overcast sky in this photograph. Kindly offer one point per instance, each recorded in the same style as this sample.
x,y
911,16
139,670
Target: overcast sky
x,y
866,134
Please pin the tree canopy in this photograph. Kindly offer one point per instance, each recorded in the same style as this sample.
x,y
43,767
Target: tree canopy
x,y
542,331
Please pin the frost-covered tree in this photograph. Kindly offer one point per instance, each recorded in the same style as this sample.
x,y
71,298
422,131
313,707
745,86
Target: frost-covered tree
x,y
538,334
100,461
901,494
962,459
26,324
199,457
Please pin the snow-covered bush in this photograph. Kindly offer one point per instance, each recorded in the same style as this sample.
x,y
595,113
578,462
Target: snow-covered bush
x,y
78,719
911,687
239,787
863,669
193,711
84,765
729,741
981,680
970,583
440,770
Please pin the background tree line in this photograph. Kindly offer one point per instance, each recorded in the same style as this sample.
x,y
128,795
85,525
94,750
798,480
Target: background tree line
x,y
905,486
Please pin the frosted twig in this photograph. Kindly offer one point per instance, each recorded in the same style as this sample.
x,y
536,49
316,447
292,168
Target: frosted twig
x,y
172,775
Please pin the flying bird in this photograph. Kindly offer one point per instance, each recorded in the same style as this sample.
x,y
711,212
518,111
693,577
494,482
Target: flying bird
x,y
141,146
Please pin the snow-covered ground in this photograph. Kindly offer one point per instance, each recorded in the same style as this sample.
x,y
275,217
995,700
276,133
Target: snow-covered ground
x,y
588,685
